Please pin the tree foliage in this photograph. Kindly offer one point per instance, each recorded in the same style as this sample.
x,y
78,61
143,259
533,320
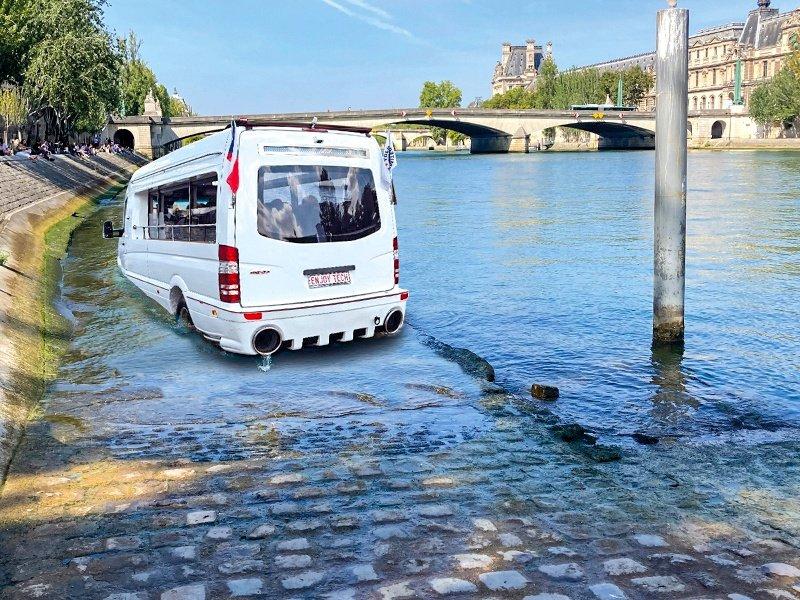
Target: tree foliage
x,y
516,98
72,72
560,91
178,107
444,94
13,108
73,82
138,80
547,84
439,95
12,46
778,101
638,83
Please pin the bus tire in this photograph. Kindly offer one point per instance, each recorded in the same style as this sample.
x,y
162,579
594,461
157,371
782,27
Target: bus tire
x,y
183,316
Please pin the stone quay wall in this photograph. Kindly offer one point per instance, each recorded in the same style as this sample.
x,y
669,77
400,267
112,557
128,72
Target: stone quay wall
x,y
35,195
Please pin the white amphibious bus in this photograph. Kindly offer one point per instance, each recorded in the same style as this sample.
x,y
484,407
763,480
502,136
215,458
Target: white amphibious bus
x,y
304,253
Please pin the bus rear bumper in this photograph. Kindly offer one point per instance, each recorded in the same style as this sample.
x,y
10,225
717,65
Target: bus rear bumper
x,y
312,326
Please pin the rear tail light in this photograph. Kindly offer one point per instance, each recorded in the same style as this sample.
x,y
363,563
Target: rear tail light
x,y
396,246
229,290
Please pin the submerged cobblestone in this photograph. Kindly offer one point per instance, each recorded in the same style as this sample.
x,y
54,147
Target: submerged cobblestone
x,y
326,515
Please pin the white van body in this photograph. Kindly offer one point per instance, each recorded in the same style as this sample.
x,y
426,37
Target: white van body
x,y
311,232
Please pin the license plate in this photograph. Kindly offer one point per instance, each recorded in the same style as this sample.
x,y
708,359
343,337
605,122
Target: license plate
x,y
329,279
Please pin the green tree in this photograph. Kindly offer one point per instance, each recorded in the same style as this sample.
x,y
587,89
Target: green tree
x,y
12,44
637,83
439,95
578,87
546,82
72,81
444,94
136,78
561,91
178,107
71,72
778,101
61,53
13,108
516,98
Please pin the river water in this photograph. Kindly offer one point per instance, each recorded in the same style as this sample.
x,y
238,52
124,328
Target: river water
x,y
542,264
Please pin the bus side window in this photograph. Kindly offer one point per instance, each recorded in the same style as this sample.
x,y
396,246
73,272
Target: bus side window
x,y
152,215
203,212
175,207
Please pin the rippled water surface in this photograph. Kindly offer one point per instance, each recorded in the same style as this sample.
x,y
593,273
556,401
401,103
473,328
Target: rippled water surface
x,y
540,263
543,264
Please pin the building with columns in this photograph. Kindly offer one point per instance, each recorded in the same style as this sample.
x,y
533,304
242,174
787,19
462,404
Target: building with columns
x,y
519,66
726,63
755,48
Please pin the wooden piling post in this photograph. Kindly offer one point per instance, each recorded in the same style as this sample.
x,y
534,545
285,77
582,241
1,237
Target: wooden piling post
x,y
672,112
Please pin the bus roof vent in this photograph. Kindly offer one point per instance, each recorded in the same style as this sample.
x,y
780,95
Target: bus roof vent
x,y
318,151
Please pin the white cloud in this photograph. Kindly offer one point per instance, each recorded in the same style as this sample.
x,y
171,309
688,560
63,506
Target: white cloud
x,y
380,20
373,9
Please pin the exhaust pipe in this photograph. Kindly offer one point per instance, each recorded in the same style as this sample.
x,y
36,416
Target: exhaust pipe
x,y
267,341
393,322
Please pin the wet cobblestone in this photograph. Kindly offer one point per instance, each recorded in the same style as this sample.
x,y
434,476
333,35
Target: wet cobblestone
x,y
302,524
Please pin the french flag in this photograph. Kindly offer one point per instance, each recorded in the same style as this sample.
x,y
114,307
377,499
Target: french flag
x,y
233,175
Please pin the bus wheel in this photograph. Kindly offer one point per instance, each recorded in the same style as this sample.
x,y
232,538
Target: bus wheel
x,y
183,316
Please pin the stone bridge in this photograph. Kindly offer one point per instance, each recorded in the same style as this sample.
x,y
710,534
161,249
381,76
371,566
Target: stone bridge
x,y
489,130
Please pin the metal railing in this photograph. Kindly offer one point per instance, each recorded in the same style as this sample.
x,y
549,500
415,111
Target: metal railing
x,y
209,233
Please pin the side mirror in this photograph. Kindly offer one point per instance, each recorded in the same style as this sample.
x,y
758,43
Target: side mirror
x,y
109,231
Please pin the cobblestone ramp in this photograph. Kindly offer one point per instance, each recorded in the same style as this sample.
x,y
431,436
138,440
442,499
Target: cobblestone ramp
x,y
353,508
23,182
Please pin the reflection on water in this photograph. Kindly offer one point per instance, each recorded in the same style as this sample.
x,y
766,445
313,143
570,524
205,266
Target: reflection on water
x,y
672,402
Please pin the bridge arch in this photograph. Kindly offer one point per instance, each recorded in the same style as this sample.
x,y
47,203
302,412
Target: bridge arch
x,y
614,134
125,138
718,130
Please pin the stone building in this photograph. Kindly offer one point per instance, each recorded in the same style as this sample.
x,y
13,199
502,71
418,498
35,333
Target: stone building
x,y
519,66
646,61
761,42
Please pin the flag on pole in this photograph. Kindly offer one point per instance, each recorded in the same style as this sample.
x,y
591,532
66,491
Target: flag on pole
x,y
389,157
233,161
389,163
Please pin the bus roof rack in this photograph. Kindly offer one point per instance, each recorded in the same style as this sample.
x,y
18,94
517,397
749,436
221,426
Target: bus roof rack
x,y
248,123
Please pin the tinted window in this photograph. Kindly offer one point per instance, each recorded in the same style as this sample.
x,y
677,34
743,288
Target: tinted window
x,y
315,204
185,212
203,212
175,206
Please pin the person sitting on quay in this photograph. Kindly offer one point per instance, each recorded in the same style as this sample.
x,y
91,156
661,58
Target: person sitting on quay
x,y
22,151
45,151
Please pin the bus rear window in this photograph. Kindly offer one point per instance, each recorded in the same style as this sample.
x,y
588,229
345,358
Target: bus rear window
x,y
310,204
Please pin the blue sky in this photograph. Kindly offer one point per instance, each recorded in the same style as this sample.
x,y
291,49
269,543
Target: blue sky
x,y
262,56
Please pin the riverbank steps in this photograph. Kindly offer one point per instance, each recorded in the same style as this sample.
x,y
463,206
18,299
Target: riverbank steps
x,y
41,202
